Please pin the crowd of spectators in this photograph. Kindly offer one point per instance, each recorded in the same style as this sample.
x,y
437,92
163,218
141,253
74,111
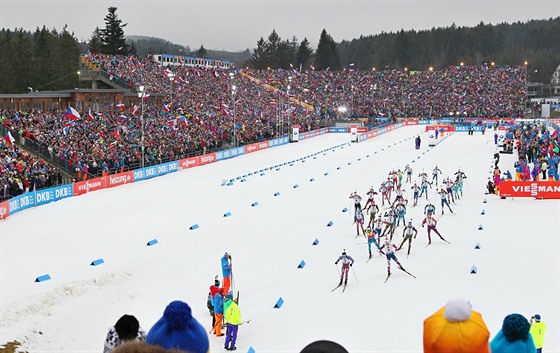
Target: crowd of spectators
x,y
208,109
454,328
21,172
474,91
538,152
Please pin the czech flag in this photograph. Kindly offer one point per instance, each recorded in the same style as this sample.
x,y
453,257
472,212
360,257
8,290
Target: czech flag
x,y
120,106
71,113
65,130
90,115
166,107
9,138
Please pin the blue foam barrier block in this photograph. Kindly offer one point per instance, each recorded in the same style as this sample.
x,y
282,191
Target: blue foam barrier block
x,y
330,224
42,278
349,163
477,246
301,264
279,303
324,154
152,242
418,157
194,226
316,242
359,159
345,209
413,161
243,180
480,227
337,168
227,214
254,204
277,194
474,270
483,212
97,262
277,169
251,173
262,174
312,179
383,149
367,156
229,184
244,175
314,157
484,201
291,165
251,350
231,180
326,174
296,186
303,161
238,178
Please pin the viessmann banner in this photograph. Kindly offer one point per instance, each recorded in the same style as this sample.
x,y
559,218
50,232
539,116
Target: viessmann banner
x,y
537,189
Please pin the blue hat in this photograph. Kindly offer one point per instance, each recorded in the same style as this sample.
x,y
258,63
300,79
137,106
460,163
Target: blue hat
x,y
537,317
177,329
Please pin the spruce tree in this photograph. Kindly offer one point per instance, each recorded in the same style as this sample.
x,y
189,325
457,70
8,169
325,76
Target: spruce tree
x,y
113,41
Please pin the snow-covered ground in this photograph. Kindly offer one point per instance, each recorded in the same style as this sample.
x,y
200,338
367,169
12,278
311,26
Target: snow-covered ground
x,y
518,262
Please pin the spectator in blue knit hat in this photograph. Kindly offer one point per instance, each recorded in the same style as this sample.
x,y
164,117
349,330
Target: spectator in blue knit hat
x,y
177,329
514,336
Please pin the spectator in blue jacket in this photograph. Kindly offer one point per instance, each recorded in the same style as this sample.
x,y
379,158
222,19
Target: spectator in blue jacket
x,y
218,312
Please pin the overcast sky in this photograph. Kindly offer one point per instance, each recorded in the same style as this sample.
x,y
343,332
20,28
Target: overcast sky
x,y
235,25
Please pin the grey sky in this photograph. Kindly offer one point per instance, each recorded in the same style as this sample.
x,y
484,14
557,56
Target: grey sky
x,y
237,25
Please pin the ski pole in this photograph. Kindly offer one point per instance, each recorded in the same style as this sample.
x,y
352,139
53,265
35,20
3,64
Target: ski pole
x,y
231,274
337,270
354,273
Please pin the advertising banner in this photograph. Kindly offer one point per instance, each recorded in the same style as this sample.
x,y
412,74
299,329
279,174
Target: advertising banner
x,y
22,202
431,137
254,147
278,142
4,209
83,187
145,173
207,158
536,189
295,133
501,136
233,152
44,196
189,162
167,168
353,133
119,179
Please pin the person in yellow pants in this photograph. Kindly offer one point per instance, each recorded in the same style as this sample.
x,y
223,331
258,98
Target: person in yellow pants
x,y
537,331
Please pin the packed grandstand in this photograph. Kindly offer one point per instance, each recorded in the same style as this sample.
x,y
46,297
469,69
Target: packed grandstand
x,y
210,108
